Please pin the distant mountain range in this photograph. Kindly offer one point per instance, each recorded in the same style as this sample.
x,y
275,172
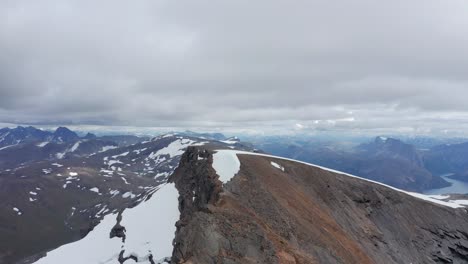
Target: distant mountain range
x,y
448,159
15,136
387,160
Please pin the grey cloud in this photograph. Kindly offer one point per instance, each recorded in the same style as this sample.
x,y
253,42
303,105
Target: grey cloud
x,y
235,63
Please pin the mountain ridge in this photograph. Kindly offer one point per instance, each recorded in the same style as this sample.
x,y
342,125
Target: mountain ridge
x,y
236,226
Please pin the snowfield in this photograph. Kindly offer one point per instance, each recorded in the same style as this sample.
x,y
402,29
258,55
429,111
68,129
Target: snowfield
x,y
226,164
175,148
276,165
42,144
150,229
75,146
106,148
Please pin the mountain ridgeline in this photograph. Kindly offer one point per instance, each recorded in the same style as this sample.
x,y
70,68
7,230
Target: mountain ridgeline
x,y
281,211
386,160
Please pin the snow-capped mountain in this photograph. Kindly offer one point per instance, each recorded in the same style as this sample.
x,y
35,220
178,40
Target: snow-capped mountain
x,y
245,207
14,136
63,134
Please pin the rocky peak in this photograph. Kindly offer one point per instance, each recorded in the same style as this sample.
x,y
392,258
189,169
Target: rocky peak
x,y
196,180
278,211
199,189
90,136
21,134
387,147
63,134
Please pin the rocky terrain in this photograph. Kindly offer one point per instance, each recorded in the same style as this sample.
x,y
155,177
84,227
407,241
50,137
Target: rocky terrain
x,y
281,211
55,192
184,199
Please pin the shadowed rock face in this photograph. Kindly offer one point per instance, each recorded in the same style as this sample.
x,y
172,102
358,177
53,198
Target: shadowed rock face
x,y
306,215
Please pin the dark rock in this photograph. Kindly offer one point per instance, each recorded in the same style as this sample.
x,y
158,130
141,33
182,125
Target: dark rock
x,y
306,215
63,134
118,230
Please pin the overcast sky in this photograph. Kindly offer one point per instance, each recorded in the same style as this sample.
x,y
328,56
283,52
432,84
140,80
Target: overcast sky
x,y
299,65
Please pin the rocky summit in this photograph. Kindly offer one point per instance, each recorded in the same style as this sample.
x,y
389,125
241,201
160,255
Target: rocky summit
x,y
281,211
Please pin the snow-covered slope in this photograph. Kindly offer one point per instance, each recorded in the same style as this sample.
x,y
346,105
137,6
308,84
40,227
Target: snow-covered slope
x,y
149,233
226,164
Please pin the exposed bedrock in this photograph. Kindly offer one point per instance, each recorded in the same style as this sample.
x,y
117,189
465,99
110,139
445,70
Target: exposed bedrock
x,y
306,215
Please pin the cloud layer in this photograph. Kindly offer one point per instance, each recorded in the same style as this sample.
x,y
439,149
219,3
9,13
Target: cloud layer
x,y
360,65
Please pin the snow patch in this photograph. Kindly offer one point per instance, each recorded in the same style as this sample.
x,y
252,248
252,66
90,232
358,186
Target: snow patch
x,y
18,211
128,195
42,144
202,143
60,155
276,165
6,147
66,184
125,180
175,148
230,142
459,202
138,151
112,162
164,174
114,192
106,148
121,155
226,164
95,189
75,146
438,196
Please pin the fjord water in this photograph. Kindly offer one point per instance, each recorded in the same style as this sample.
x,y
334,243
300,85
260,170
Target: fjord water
x,y
457,186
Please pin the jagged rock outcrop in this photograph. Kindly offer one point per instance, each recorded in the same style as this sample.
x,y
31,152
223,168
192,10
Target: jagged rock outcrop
x,y
199,189
206,233
118,230
304,214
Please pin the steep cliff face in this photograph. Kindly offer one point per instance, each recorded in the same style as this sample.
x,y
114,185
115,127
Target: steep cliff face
x,y
279,211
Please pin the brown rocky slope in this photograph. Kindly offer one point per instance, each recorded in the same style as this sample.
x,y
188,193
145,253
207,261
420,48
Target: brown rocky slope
x,y
304,214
